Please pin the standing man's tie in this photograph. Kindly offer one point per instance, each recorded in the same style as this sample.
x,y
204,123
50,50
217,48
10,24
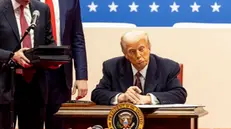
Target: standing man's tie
x,y
138,82
51,6
26,73
24,26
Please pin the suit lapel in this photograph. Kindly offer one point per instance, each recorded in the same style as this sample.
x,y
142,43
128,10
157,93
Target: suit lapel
x,y
151,79
10,16
33,7
126,76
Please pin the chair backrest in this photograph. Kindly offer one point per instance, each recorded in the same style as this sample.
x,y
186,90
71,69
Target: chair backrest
x,y
180,75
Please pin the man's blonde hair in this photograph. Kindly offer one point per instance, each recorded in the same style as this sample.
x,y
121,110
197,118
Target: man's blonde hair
x,y
133,37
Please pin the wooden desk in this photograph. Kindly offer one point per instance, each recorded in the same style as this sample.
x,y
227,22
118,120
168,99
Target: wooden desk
x,y
166,118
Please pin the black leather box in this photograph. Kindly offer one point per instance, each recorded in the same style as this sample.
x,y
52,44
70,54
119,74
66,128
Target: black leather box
x,y
45,56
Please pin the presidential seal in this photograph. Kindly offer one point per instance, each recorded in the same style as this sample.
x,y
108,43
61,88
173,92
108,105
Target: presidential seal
x,y
125,116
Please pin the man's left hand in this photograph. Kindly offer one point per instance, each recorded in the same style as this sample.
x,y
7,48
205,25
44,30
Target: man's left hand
x,y
82,87
145,99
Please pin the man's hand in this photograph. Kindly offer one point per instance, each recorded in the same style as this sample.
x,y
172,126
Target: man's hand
x,y
122,98
21,59
82,87
131,95
144,99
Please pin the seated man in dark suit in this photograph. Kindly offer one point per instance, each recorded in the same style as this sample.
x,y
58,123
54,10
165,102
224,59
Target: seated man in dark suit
x,y
139,77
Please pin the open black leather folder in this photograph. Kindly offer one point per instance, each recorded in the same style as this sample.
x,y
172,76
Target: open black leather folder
x,y
45,56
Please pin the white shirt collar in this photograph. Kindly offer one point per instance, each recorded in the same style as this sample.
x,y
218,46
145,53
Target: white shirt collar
x,y
142,72
16,4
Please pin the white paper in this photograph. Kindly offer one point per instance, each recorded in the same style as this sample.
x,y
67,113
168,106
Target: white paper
x,y
170,106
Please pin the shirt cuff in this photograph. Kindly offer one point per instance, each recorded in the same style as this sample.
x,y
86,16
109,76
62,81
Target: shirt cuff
x,y
154,100
114,100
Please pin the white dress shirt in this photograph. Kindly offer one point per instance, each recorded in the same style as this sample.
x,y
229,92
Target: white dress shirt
x,y
27,14
143,73
57,20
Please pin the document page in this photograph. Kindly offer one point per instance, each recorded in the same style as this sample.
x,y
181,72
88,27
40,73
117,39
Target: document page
x,y
170,106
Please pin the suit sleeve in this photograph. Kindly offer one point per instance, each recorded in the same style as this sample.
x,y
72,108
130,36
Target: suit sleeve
x,y
49,39
103,93
78,45
5,55
173,92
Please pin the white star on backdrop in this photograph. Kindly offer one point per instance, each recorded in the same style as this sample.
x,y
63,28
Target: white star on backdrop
x,y
154,7
216,7
133,7
174,7
195,7
92,7
113,7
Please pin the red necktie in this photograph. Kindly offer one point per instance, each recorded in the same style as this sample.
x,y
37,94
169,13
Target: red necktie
x,y
138,82
51,6
27,73
24,26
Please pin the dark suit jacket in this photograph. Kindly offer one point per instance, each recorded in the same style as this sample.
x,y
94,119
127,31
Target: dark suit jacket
x,y
9,39
71,32
161,80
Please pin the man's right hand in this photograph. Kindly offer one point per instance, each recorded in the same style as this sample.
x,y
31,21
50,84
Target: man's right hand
x,y
21,59
131,95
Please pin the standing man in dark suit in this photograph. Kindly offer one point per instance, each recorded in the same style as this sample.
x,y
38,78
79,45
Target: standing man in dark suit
x,y
68,30
139,77
30,93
